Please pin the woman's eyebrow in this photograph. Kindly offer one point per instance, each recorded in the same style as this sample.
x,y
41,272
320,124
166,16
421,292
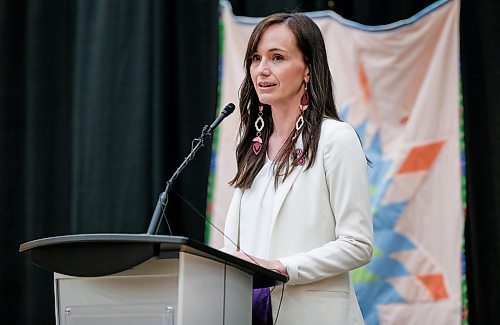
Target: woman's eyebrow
x,y
274,49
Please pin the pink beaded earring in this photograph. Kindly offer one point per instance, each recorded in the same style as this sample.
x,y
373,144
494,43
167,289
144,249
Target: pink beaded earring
x,y
259,126
304,104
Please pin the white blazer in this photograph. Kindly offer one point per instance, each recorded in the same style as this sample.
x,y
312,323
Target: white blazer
x,y
321,229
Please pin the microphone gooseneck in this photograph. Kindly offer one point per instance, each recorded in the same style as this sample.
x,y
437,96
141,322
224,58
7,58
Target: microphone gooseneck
x,y
196,144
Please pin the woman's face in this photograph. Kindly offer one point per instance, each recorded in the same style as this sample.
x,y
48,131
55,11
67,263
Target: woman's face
x,y
278,70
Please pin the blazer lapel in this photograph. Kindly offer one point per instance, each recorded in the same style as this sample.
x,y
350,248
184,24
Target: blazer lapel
x,y
285,187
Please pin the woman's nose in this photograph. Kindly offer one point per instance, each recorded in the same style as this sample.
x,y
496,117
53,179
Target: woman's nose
x,y
264,68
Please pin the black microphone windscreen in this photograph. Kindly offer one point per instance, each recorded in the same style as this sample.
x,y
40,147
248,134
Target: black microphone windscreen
x,y
228,109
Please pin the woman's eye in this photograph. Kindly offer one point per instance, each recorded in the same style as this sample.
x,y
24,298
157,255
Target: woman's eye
x,y
278,57
255,57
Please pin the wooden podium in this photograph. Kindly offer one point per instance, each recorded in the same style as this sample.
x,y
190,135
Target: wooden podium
x,y
107,279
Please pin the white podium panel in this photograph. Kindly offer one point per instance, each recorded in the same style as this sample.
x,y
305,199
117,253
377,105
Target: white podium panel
x,y
209,294
238,297
147,290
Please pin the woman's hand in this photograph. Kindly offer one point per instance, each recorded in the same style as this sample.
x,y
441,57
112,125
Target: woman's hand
x,y
275,265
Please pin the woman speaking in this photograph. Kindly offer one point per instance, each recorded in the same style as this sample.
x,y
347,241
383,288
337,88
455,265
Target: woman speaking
x,y
301,205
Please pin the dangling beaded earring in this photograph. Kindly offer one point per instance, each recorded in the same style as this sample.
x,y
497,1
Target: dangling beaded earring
x,y
259,126
304,104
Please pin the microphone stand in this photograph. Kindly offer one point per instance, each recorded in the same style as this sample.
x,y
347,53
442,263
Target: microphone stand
x,y
161,205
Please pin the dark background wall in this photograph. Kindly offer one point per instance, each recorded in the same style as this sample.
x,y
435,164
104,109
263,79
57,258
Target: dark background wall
x,y
100,99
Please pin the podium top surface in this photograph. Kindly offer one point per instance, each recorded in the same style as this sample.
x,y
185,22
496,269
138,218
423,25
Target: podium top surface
x,y
90,255
102,238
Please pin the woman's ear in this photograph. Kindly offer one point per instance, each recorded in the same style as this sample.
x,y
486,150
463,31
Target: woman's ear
x,y
307,75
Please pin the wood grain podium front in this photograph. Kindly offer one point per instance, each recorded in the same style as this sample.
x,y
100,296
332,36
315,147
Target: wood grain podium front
x,y
107,279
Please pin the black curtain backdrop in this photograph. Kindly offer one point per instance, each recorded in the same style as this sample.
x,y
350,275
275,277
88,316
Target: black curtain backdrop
x,y
480,54
99,102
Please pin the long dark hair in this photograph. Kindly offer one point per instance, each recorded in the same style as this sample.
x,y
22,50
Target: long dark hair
x,y
309,41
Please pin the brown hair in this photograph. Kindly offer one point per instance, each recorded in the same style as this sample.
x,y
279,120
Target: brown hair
x,y
309,41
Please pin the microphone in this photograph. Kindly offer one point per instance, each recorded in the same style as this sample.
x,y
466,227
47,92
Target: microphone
x,y
195,146
226,111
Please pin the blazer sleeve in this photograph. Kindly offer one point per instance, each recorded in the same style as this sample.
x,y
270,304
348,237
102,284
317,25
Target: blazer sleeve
x,y
345,168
